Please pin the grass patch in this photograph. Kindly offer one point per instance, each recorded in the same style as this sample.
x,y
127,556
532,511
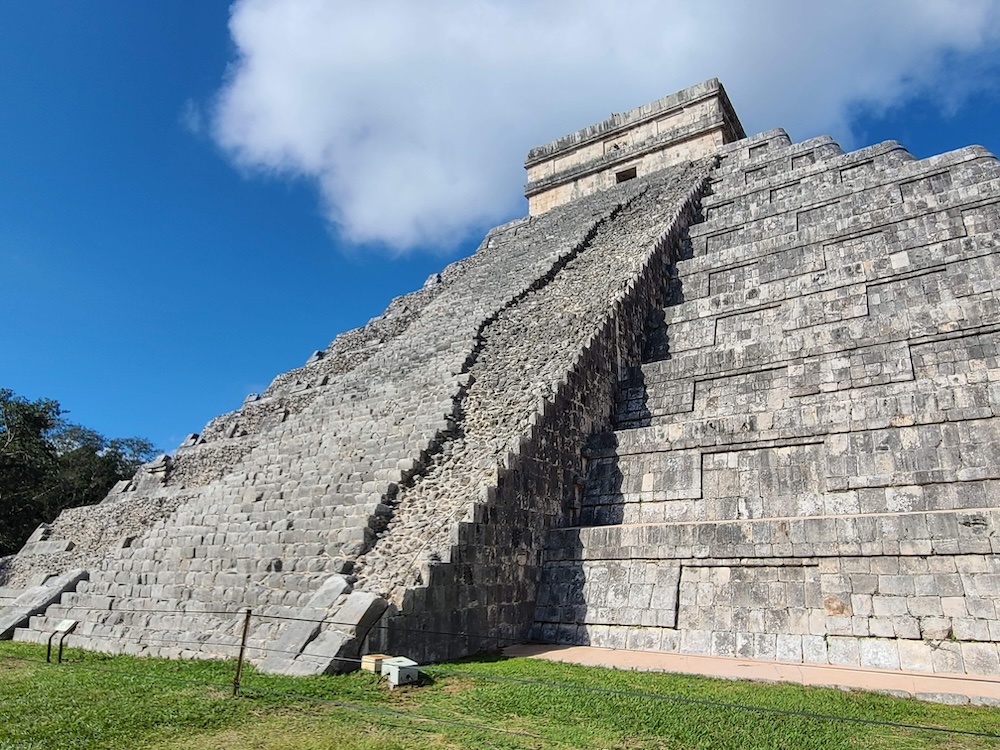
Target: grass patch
x,y
96,701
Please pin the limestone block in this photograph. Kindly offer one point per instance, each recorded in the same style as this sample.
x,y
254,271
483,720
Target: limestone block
x,y
946,657
814,649
789,648
881,654
843,651
696,641
935,628
970,629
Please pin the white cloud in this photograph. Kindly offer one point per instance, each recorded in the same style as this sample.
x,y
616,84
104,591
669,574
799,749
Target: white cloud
x,y
190,117
414,118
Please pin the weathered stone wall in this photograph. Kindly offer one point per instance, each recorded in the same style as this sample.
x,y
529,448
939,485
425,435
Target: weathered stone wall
x,y
801,470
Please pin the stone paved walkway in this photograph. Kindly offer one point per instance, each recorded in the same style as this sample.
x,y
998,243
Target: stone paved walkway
x,y
943,688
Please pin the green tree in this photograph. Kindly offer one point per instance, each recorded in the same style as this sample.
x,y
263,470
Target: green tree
x,y
48,464
28,460
89,464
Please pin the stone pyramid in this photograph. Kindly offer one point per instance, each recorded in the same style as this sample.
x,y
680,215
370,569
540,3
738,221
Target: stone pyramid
x,y
714,395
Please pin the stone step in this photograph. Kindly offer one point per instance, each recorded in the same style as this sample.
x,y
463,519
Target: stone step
x,y
937,379
956,533
882,165
775,150
756,190
786,324
675,377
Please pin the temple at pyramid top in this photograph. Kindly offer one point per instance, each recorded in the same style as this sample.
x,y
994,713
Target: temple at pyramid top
x,y
687,125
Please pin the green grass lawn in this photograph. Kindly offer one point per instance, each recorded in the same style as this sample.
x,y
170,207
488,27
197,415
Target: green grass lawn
x,y
95,701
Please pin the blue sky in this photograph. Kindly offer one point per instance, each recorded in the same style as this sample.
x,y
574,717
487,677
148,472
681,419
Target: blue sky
x,y
194,198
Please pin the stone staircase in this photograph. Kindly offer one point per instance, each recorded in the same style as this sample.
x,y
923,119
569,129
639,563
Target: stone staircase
x,y
802,469
304,501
